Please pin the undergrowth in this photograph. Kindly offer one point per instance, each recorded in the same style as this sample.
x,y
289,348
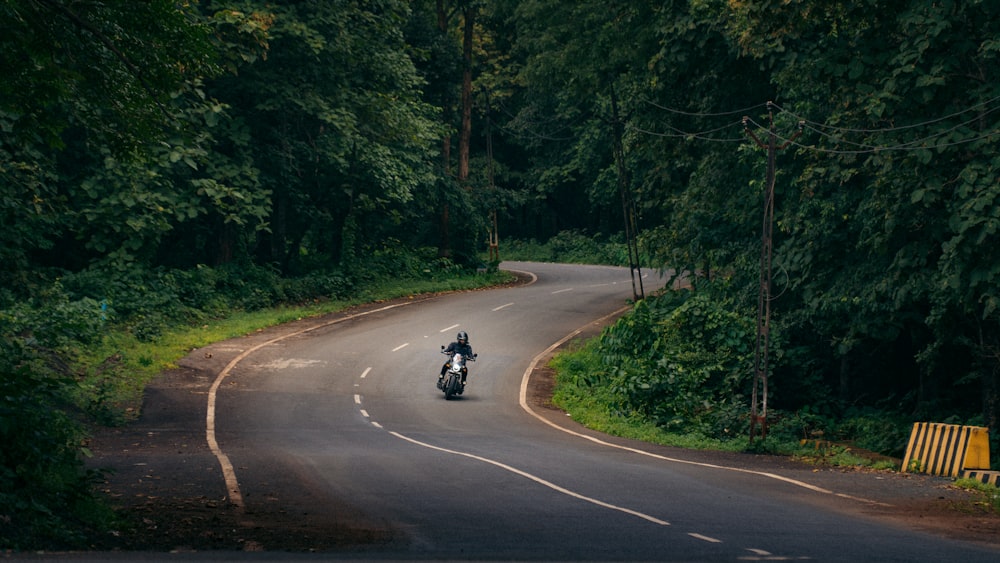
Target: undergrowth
x,y
990,494
668,394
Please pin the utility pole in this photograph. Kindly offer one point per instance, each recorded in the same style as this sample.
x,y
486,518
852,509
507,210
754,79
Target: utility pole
x,y
759,416
628,203
494,242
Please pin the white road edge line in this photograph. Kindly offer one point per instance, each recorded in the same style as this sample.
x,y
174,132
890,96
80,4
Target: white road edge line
x,y
532,275
538,480
562,290
232,484
523,400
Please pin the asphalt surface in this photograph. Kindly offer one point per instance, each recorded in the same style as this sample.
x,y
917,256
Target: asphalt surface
x,y
328,440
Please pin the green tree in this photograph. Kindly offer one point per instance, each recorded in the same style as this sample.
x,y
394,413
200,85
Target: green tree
x,y
885,235
81,77
338,131
92,91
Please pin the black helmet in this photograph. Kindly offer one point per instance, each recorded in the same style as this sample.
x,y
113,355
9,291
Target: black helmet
x,y
463,337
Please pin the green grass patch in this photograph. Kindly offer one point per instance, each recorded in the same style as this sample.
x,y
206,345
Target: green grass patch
x,y
990,493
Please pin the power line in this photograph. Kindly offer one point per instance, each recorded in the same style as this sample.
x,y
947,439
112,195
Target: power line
x,y
829,131
700,114
892,129
914,145
701,135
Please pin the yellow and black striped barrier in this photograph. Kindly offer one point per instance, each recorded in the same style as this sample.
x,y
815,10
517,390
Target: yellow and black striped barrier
x,y
946,449
986,477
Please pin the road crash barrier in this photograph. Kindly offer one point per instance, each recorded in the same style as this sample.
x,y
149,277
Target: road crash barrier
x,y
987,477
946,449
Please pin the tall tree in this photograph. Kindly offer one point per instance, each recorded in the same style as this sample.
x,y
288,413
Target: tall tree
x,y
339,132
82,77
884,237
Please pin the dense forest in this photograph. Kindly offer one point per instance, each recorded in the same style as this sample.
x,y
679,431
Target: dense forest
x,y
163,161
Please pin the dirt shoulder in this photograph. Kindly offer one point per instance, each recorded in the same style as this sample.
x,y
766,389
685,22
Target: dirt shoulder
x,y
168,488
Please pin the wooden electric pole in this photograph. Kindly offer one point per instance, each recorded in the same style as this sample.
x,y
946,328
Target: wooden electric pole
x,y
628,203
758,398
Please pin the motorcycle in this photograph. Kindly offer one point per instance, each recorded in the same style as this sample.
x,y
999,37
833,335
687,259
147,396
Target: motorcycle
x,y
451,384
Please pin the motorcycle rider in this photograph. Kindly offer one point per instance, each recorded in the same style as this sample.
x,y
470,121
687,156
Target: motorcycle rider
x,y
460,346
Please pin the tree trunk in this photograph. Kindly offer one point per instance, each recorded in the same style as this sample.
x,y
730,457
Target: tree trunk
x,y
225,244
465,134
845,380
271,244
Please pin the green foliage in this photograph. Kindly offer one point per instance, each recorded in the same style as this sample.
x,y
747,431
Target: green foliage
x,y
570,247
582,391
682,363
990,494
44,490
684,366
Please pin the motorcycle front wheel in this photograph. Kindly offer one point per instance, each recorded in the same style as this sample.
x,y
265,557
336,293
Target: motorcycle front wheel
x,y
451,386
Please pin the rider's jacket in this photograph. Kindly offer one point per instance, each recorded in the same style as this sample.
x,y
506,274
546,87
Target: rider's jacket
x,y
463,349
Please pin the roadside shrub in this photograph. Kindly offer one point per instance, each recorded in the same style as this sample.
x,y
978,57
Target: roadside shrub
x,y
573,247
525,250
56,321
250,287
803,424
45,494
880,431
131,296
682,361
318,286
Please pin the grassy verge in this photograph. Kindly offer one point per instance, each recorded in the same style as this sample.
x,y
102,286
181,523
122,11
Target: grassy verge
x,y
592,405
585,394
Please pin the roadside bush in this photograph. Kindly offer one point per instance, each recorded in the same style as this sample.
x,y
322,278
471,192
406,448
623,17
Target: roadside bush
x,y
525,250
880,431
573,247
250,287
803,424
45,494
683,362
318,286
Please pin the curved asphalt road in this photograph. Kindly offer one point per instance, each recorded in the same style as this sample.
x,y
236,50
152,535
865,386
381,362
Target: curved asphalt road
x,y
347,420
